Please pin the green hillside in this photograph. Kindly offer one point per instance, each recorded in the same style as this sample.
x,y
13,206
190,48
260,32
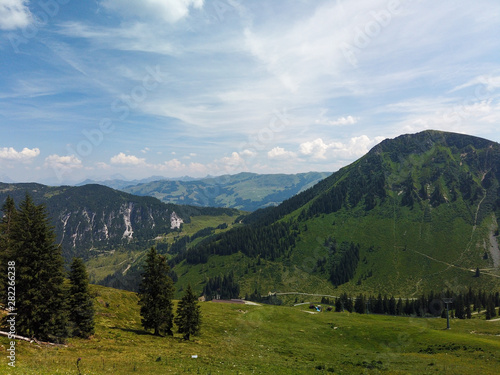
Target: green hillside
x,y
248,339
243,191
417,213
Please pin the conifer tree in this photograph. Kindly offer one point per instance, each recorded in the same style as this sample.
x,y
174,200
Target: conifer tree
x,y
9,211
399,307
40,294
188,317
155,294
81,304
360,304
392,306
338,305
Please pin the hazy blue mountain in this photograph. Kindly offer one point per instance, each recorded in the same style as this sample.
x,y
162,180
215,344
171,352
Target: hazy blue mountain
x,y
244,191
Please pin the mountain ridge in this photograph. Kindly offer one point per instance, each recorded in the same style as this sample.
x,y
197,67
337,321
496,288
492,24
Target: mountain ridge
x,y
421,210
96,218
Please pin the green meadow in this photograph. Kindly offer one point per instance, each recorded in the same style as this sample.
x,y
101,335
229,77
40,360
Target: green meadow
x,y
262,339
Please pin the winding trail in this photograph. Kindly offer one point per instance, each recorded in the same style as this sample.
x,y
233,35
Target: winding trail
x,y
485,271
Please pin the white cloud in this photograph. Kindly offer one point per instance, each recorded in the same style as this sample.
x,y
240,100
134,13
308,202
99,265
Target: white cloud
x,y
14,14
175,165
315,149
233,161
123,159
63,163
355,147
172,165
280,153
169,11
9,153
248,153
145,150
346,120
102,165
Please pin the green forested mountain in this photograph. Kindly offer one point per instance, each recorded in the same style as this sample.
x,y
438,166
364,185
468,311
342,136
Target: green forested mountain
x,y
417,213
95,220
244,191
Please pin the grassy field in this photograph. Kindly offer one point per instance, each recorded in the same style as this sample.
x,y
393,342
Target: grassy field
x,y
245,339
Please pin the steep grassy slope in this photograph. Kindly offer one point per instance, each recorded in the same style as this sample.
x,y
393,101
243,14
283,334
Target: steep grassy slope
x,y
244,191
244,339
423,209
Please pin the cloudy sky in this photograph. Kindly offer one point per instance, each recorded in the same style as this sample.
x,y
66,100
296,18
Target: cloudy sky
x,y
92,89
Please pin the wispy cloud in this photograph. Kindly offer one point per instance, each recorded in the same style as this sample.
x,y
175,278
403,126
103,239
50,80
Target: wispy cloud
x,y
168,11
347,73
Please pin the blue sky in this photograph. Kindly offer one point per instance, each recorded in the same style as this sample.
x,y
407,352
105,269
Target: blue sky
x,y
92,89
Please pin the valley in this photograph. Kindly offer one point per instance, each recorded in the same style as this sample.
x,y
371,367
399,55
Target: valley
x,y
422,210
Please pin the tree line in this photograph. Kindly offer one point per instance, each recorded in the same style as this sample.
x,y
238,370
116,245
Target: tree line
x,y
32,277
270,242
462,307
221,287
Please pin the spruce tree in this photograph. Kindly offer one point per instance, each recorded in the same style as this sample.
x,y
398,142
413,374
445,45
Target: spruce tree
x,y
40,294
81,304
338,305
188,319
155,295
399,307
360,305
9,211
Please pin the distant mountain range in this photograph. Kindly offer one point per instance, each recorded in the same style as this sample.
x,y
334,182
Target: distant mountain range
x,y
120,182
243,191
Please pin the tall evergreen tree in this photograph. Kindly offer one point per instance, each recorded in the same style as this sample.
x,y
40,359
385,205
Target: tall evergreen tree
x,y
9,211
399,307
392,306
188,317
40,294
156,291
338,305
460,307
360,304
81,304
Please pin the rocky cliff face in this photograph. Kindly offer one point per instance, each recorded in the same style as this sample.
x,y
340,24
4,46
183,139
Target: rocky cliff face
x,y
104,227
91,219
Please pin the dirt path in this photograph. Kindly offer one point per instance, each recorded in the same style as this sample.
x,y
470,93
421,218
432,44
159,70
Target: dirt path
x,y
483,271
